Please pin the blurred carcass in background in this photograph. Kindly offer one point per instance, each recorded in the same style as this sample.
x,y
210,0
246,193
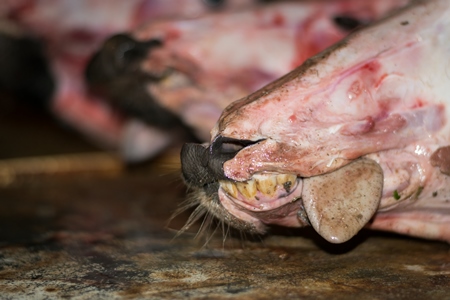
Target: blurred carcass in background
x,y
164,75
45,45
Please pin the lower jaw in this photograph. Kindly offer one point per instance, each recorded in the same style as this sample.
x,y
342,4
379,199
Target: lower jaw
x,y
286,215
283,215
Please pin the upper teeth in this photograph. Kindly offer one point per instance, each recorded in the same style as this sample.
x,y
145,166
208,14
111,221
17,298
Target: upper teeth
x,y
248,188
267,184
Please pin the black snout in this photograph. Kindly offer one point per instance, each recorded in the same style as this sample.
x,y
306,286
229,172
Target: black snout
x,y
119,55
202,164
115,74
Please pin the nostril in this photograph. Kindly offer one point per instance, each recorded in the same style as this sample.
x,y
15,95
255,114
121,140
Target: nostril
x,y
227,148
233,148
223,149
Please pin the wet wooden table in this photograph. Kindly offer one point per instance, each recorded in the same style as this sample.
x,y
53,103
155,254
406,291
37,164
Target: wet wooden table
x,y
105,235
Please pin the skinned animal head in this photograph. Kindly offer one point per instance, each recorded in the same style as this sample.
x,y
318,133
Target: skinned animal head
x,y
344,141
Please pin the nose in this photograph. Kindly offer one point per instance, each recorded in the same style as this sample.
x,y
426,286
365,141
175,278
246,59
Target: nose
x,y
203,164
194,164
120,54
114,73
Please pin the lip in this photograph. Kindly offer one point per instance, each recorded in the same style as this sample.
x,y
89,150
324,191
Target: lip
x,y
281,211
268,204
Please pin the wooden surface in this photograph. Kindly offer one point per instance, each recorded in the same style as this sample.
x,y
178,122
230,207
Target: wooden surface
x,y
104,234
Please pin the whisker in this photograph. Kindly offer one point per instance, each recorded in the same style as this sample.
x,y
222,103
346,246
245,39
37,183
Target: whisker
x,y
222,224
184,206
194,217
208,239
205,222
225,231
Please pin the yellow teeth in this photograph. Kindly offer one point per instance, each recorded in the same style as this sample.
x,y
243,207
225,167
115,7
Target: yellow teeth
x,y
229,187
266,184
287,181
248,188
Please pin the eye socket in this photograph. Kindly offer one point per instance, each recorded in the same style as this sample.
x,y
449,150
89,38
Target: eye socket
x,y
215,3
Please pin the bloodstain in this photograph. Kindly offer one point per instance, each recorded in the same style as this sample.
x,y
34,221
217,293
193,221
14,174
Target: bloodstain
x,y
372,66
173,34
278,20
419,103
384,108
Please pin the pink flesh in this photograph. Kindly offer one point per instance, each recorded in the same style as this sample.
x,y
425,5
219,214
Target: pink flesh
x,y
226,56
383,93
73,31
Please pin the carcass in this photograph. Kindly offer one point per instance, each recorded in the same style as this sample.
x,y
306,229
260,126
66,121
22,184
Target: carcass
x,y
184,73
357,136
